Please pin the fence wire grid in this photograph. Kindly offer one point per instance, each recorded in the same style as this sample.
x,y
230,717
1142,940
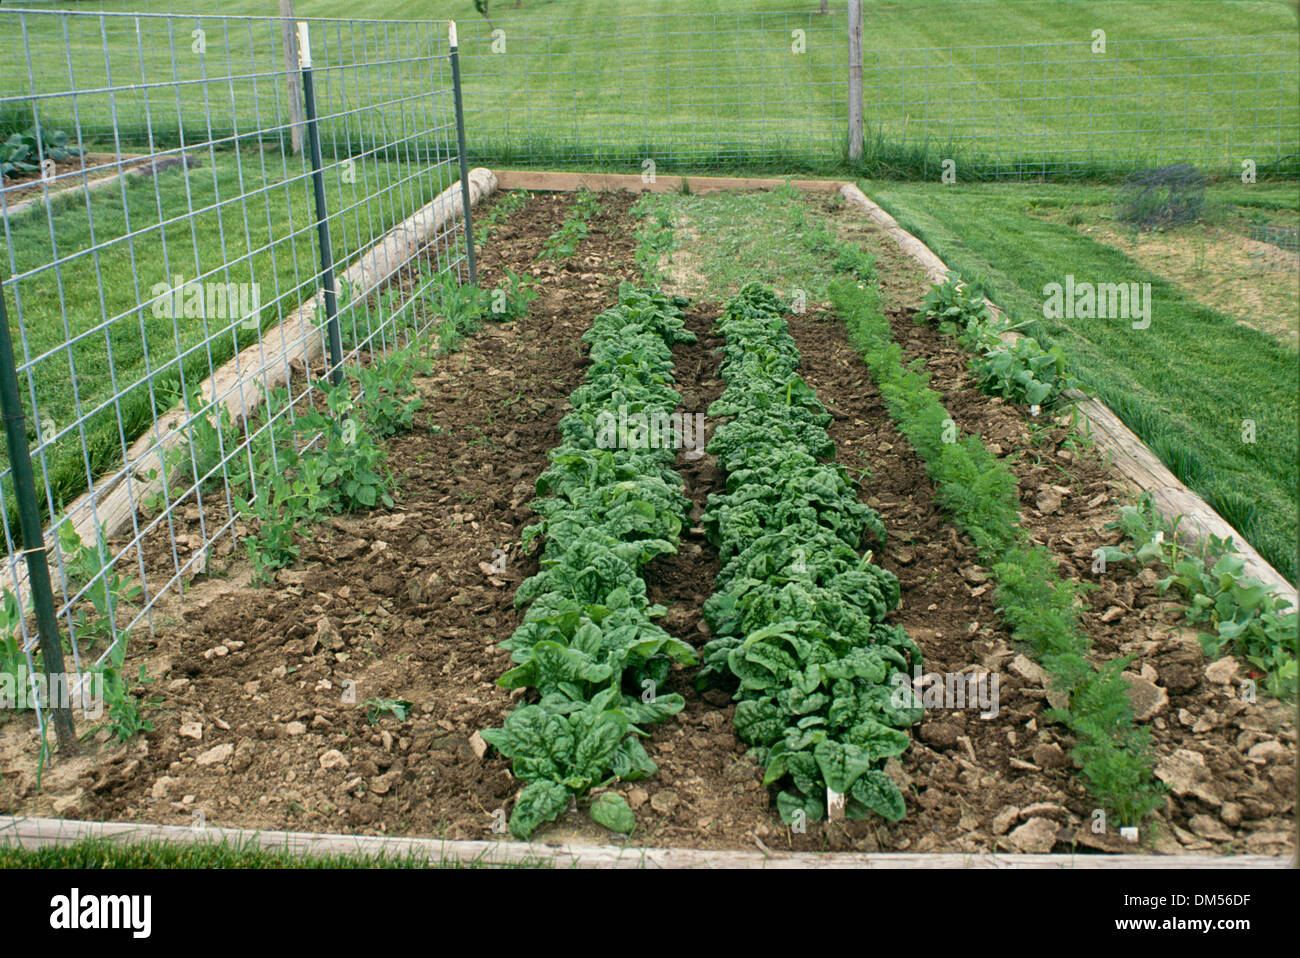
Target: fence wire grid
x,y
175,243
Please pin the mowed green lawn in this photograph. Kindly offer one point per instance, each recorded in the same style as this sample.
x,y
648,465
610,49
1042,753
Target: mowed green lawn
x,y
1185,385
1005,85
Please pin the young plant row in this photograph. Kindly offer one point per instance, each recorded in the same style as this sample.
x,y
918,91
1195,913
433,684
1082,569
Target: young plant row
x,y
799,613
93,620
588,646
1247,618
1040,609
1020,372
655,236
305,464
285,471
459,308
562,244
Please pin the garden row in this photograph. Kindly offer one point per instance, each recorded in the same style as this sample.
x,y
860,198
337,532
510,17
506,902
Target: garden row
x,y
1241,615
307,455
1038,605
588,644
1040,609
798,614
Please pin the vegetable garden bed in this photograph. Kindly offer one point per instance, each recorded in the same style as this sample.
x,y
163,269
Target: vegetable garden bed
x,y
350,695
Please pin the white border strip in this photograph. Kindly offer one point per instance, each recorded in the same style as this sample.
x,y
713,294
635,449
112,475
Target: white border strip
x,y
36,833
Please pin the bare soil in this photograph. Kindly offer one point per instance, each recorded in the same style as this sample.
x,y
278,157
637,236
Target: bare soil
x,y
99,166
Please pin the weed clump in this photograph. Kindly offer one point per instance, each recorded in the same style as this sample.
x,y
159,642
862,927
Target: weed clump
x,y
1162,198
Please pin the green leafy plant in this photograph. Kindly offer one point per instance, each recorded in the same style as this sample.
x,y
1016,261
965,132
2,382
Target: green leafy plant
x,y
206,454
289,505
1022,372
1241,614
348,466
510,300
982,496
563,243
798,613
654,237
589,646
376,708
505,207
854,261
384,399
13,662
90,569
22,153
462,308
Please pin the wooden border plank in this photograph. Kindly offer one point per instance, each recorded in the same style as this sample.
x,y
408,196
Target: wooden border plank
x,y
35,833
544,182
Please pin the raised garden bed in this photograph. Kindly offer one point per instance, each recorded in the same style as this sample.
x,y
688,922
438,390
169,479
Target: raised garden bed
x,y
276,701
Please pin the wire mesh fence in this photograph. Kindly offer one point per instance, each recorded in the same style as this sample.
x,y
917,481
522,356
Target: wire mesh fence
x,y
166,281
690,88
1057,108
767,88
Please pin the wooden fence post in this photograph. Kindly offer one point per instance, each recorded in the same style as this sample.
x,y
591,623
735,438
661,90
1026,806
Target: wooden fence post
x,y
855,79
287,21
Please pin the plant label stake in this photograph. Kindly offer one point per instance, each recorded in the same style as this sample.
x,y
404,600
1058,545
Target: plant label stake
x,y
834,805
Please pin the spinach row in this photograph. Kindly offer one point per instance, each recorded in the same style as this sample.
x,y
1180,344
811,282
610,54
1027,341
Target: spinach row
x,y
588,644
798,614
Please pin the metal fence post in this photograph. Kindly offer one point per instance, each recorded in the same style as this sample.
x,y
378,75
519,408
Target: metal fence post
x,y
855,79
29,516
460,149
322,214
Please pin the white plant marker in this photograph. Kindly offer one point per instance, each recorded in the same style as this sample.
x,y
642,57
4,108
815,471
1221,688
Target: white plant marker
x,y
304,45
1129,833
834,805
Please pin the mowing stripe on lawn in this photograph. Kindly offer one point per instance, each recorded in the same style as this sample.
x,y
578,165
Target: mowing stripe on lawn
x,y
1185,385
